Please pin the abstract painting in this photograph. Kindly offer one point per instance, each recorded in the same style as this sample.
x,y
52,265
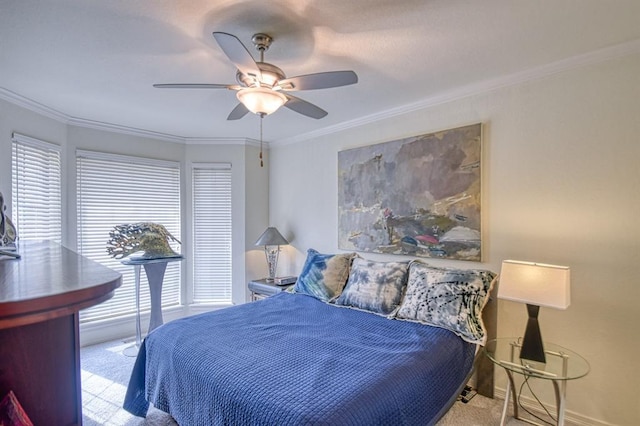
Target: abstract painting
x,y
418,196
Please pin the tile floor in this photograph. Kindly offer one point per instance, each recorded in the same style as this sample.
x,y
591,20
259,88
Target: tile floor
x,y
105,375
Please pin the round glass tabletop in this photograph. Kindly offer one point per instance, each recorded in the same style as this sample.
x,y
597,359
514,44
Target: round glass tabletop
x,y
561,363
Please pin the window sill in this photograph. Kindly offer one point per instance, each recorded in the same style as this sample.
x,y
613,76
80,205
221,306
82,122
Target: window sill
x,y
125,327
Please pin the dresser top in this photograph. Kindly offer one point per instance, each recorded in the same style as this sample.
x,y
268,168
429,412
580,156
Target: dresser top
x,y
50,280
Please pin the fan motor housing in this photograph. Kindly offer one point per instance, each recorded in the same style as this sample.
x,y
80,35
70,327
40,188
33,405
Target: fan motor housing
x,y
270,75
261,41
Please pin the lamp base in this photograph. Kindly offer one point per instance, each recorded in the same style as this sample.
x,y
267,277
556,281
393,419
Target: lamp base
x,y
272,252
532,346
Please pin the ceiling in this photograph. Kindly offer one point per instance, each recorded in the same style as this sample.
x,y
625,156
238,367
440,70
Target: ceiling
x,y
96,60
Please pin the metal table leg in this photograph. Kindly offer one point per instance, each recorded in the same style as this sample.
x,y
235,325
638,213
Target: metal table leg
x,y
560,399
511,393
560,392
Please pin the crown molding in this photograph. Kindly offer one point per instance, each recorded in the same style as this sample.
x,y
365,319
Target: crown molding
x,y
125,130
32,105
161,136
48,112
222,141
486,86
601,55
256,143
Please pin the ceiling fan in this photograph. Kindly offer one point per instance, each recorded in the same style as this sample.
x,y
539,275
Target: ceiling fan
x,y
263,87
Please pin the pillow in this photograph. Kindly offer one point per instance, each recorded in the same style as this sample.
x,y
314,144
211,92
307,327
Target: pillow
x,y
323,276
375,286
448,298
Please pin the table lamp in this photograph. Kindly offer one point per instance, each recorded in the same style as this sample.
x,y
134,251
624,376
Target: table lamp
x,y
535,284
271,239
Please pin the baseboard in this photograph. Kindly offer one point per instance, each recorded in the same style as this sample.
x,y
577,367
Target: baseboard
x,y
571,417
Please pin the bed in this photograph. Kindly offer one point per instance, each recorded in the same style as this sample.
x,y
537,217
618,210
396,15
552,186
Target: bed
x,y
295,359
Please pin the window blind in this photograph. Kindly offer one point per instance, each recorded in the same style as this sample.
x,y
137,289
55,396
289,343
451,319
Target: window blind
x,y
211,232
36,194
115,190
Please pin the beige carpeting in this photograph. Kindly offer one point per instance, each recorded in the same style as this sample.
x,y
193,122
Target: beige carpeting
x,y
479,411
105,375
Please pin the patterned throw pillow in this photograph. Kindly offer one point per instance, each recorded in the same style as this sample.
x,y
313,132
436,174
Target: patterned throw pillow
x,y
323,276
375,286
448,298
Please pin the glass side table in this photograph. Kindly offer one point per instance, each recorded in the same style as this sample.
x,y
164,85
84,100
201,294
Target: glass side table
x,y
562,365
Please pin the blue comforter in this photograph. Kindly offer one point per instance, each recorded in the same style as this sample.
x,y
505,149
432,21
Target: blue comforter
x,y
293,360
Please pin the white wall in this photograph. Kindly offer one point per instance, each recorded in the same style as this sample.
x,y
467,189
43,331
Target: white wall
x,y
561,178
257,213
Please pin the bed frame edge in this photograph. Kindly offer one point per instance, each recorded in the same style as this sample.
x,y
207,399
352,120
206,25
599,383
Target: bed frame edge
x,y
484,367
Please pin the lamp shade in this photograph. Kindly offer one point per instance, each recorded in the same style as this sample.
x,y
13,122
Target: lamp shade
x,y
261,100
271,237
535,284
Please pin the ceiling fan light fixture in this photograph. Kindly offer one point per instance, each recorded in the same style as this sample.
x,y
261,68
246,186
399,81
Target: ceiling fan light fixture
x,y
261,84
260,100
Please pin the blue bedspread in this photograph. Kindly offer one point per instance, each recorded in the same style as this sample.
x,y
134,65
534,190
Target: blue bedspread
x,y
293,360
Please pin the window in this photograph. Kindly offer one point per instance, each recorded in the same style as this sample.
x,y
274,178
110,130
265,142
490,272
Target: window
x,y
36,198
115,190
211,232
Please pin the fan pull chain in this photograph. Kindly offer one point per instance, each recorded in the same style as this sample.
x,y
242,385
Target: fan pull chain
x,y
261,163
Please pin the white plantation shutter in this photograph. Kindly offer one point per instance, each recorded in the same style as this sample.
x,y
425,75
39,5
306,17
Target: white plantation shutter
x,y
114,190
36,198
212,232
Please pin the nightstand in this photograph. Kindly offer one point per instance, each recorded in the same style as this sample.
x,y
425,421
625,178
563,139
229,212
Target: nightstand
x,y
562,365
261,289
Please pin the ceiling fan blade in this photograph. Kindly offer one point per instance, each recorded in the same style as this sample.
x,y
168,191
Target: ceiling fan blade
x,y
238,54
303,107
238,112
192,86
321,80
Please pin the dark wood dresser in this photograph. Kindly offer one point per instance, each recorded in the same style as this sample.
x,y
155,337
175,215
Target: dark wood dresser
x,y
40,296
